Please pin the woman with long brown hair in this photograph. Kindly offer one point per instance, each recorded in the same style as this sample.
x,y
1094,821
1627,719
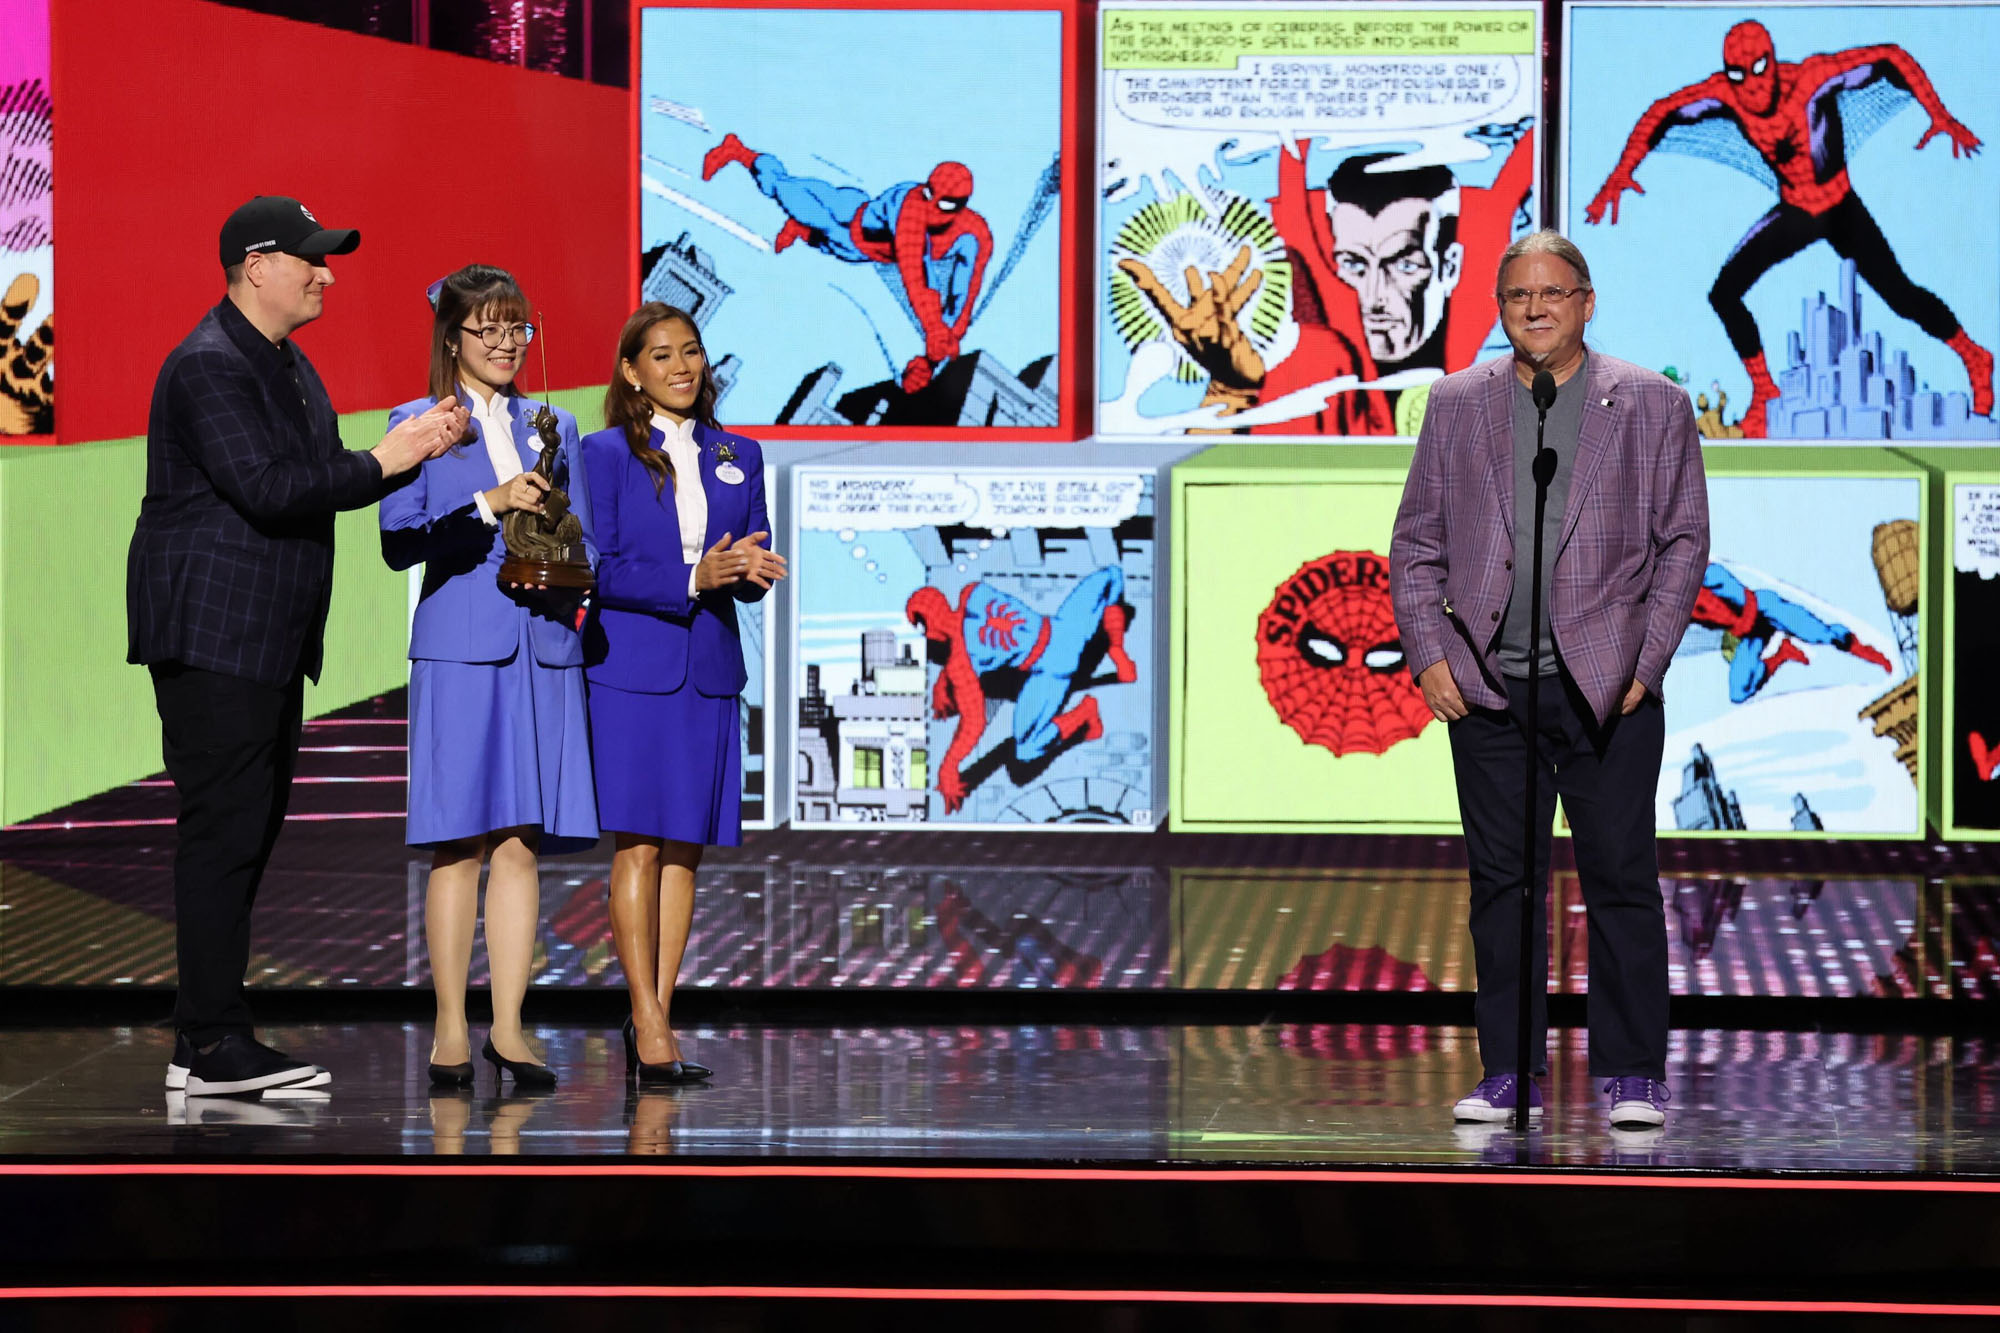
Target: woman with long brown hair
x,y
682,535
499,748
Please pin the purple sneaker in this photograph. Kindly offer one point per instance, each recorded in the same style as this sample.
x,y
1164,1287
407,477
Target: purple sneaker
x,y
1492,1102
1637,1102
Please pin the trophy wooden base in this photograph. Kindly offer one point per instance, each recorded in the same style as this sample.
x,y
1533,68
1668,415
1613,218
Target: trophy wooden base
x,y
547,573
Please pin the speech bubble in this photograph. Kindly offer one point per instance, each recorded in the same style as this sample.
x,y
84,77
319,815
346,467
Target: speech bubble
x,y
1055,499
1976,530
854,502
1236,81
882,501
1296,98
1213,38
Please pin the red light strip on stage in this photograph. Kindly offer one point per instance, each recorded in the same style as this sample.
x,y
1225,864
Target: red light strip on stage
x,y
1000,1294
1183,1175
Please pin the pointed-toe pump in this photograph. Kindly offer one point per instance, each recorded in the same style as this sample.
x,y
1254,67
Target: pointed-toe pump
x,y
527,1075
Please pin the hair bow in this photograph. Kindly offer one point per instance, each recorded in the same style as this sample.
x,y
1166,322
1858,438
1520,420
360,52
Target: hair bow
x,y
431,292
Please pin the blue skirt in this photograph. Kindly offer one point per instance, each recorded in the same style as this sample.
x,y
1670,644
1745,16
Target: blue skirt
x,y
500,745
668,765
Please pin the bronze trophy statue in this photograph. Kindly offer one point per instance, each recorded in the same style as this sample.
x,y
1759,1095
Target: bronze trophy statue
x,y
546,549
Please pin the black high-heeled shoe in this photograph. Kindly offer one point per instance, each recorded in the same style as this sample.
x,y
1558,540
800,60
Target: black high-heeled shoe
x,y
670,1073
526,1074
451,1076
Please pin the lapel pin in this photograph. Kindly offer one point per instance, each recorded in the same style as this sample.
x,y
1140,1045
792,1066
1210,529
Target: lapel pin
x,y
724,454
1607,402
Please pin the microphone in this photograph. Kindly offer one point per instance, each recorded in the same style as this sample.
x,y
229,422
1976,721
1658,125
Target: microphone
x,y
1543,391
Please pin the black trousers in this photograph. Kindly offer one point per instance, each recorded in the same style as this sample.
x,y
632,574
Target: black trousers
x,y
230,746
1607,777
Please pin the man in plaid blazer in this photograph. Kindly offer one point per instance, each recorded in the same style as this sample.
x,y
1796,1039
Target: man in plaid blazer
x,y
1625,539
227,585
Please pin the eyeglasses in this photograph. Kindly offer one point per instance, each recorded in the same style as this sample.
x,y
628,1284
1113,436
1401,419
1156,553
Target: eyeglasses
x,y
1549,295
494,334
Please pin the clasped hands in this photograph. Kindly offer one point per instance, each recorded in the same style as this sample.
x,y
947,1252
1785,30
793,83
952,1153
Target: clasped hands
x,y
748,560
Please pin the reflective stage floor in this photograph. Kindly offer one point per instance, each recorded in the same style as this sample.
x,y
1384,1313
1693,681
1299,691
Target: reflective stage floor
x,y
1065,1176
1378,1096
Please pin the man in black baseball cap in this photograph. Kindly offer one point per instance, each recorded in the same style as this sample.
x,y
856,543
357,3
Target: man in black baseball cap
x,y
227,588
275,222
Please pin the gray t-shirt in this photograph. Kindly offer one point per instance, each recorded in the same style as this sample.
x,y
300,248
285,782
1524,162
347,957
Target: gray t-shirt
x,y
1564,424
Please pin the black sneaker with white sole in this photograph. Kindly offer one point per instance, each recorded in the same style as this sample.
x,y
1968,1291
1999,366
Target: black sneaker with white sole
x,y
177,1067
239,1062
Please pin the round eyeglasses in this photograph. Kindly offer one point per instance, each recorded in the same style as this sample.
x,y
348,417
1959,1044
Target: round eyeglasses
x,y
492,335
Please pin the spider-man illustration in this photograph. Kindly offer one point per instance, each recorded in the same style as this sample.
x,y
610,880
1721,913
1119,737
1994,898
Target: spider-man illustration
x,y
924,232
1985,757
993,639
1790,114
1331,658
1754,617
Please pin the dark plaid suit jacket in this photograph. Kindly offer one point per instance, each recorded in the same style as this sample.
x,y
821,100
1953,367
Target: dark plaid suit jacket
x,y
1627,561
231,566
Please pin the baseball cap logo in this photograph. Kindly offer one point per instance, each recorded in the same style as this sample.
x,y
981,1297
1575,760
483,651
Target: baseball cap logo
x,y
308,215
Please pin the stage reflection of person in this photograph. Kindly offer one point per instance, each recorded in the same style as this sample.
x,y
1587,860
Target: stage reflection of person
x,y
649,1122
228,581
1626,533
682,535
499,740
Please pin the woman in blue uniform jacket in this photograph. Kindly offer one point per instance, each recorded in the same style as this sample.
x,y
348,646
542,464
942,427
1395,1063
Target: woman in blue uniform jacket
x,y
682,537
499,743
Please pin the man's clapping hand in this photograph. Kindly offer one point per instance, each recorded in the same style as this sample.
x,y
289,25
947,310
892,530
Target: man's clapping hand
x,y
421,438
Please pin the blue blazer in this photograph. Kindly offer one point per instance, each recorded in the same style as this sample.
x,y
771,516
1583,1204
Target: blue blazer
x,y
646,634
463,615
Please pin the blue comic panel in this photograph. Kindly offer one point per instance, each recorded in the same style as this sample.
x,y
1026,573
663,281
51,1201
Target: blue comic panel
x,y
863,216
975,647
1792,704
1785,208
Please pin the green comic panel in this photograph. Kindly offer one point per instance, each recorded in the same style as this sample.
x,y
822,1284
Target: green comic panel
x,y
1293,706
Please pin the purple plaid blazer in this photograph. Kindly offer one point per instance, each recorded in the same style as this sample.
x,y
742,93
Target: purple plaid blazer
x,y
1627,560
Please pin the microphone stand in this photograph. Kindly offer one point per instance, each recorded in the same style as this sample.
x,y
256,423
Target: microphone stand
x,y
1544,468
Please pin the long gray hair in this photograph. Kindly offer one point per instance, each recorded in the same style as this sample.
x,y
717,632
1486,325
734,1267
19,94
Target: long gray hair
x,y
1546,242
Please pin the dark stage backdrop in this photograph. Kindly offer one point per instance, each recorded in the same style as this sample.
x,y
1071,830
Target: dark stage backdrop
x,y
174,112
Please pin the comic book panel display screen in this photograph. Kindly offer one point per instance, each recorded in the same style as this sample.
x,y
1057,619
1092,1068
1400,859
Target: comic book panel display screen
x,y
868,230
1302,209
1972,727
27,228
1759,191
975,647
1793,700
